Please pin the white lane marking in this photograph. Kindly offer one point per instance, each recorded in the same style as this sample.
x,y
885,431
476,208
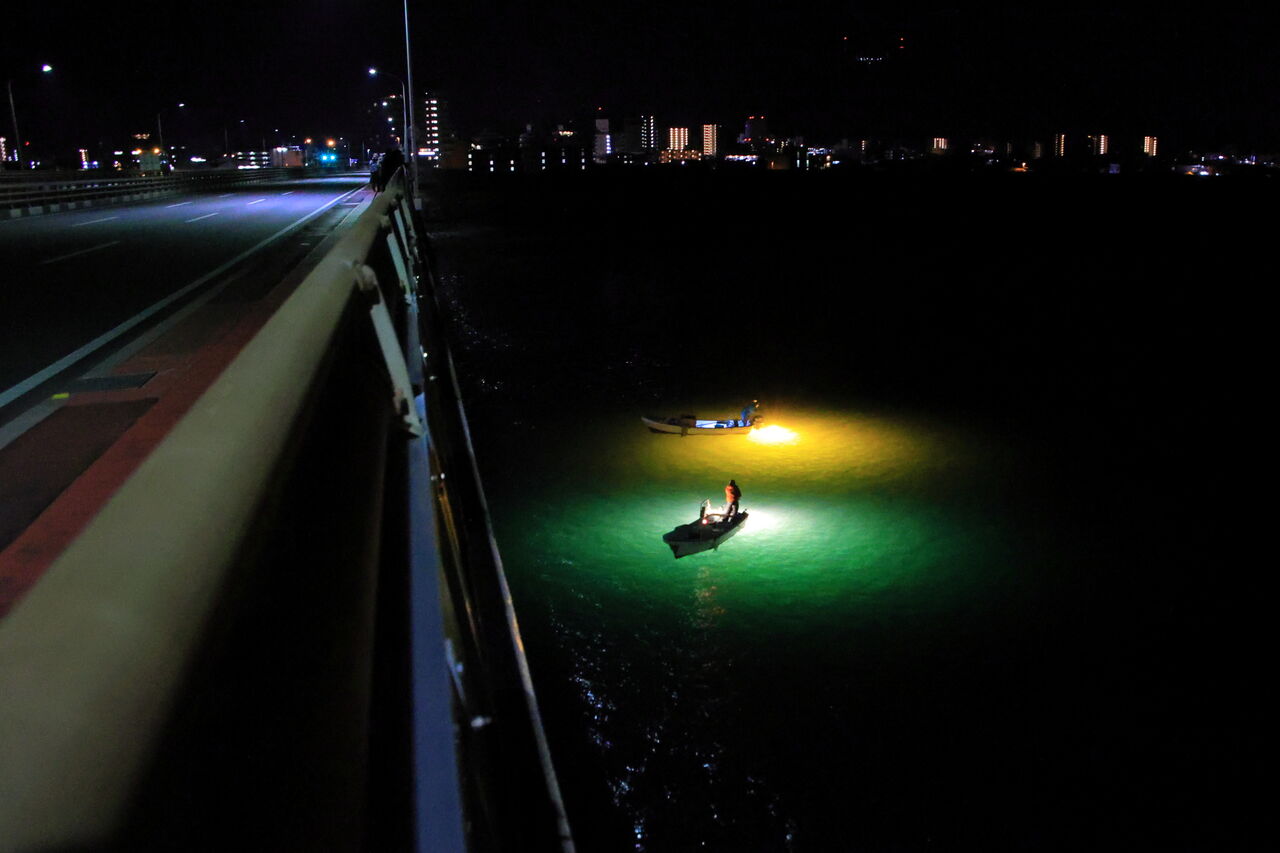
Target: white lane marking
x,y
107,337
179,204
226,195
80,252
206,216
95,221
259,201
286,193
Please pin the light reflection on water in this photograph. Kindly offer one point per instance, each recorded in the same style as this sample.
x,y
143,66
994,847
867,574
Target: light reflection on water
x,y
674,666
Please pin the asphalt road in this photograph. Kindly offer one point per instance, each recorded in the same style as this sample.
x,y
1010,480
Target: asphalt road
x,y
72,282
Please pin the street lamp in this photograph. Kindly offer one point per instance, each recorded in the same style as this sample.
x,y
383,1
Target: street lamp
x,y
404,103
13,114
160,128
408,127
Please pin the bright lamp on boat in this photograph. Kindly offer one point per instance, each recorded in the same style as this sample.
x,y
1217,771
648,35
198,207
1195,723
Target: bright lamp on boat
x,y
772,435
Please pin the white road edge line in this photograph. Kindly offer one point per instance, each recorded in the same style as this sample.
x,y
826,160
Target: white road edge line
x,y
94,221
179,204
80,252
206,216
66,361
259,201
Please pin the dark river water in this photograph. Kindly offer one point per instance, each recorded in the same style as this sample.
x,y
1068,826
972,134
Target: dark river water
x,y
994,589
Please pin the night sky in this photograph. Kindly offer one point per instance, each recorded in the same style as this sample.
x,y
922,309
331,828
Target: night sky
x,y
1195,75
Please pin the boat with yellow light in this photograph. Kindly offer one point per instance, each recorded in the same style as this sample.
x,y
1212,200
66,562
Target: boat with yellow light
x,y
691,425
704,534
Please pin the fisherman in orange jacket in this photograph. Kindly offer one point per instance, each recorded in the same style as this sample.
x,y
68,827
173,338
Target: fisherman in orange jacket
x,y
732,496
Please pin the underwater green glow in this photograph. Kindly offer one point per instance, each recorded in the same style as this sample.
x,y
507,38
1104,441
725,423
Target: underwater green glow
x,y
843,517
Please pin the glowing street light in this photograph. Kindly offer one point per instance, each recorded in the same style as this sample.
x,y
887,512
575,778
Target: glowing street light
x,y
160,127
404,102
13,114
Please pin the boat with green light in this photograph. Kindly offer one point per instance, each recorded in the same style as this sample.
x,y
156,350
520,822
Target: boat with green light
x,y
706,533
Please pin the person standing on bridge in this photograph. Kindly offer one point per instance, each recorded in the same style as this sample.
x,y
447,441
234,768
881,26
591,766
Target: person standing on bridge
x,y
732,497
391,161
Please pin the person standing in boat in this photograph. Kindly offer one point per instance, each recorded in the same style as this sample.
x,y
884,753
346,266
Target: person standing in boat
x,y
732,497
749,412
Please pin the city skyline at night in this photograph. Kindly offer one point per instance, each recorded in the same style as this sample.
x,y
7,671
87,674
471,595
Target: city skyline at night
x,y
831,71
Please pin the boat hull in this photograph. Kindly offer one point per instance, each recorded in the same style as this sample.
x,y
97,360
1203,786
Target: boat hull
x,y
689,425
696,537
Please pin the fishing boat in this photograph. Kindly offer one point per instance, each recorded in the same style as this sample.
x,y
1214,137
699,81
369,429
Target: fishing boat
x,y
691,425
705,533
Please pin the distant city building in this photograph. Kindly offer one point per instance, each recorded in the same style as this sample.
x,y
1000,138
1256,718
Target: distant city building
x,y
648,133
757,128
1099,144
429,146
677,138
4,149
492,159
84,158
287,157
1150,145
710,140
939,144
1059,145
602,143
1037,150
678,155
248,160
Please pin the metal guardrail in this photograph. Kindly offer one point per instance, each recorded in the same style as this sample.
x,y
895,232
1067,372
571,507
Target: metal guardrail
x,y
45,195
290,628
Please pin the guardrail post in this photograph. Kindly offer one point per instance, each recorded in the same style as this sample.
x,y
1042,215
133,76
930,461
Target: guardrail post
x,y
402,396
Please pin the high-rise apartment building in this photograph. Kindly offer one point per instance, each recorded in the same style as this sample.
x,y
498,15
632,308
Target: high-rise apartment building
x,y
429,144
602,145
4,149
649,133
710,140
1150,145
677,138
1099,144
1059,145
940,144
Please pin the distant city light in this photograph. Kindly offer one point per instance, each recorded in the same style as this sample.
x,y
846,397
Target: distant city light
x,y
46,68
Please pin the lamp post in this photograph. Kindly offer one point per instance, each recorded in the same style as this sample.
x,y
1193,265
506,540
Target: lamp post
x,y
404,104
160,129
408,130
13,114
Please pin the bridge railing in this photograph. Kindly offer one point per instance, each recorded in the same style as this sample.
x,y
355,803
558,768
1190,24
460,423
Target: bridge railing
x,y
49,195
290,628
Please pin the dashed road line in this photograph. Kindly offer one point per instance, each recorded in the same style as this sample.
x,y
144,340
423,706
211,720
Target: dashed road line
x,y
80,252
11,394
206,216
179,204
259,201
95,221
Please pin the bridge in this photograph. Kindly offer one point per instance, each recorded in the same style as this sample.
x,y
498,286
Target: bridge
x,y
249,591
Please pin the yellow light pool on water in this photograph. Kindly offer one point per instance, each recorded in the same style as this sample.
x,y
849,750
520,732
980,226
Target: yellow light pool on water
x,y
773,435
